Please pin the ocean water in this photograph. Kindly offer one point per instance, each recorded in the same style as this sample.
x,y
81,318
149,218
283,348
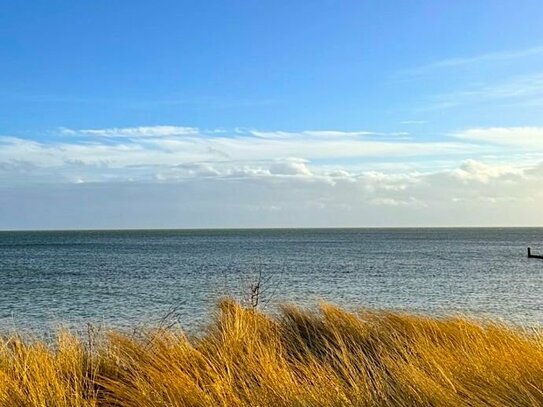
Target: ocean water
x,y
133,278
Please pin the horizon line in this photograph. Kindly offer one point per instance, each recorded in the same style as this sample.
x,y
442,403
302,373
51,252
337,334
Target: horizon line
x,y
261,228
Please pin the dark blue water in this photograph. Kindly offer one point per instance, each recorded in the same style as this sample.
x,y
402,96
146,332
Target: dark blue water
x,y
126,278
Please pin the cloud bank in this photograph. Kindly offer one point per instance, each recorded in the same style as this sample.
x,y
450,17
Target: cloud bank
x,y
169,176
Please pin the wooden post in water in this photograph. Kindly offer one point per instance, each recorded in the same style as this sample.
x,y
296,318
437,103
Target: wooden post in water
x,y
534,256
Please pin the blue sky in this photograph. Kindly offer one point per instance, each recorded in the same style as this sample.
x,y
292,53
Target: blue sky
x,y
270,113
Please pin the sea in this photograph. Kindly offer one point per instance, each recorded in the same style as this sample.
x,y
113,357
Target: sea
x,y
144,278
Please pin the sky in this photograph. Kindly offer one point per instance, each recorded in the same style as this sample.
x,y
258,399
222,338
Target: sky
x,y
234,114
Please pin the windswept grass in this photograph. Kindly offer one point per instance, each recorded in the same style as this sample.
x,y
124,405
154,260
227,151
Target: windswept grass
x,y
328,357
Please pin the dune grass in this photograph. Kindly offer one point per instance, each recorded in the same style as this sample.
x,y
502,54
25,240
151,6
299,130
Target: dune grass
x,y
327,357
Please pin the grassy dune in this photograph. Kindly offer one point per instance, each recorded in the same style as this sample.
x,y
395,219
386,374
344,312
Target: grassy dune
x,y
300,358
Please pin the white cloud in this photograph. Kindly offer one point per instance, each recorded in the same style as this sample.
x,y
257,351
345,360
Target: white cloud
x,y
148,156
460,62
488,195
525,89
291,166
528,138
131,132
472,170
307,134
147,151
477,176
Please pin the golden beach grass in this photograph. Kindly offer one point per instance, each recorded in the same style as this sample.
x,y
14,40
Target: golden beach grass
x,y
328,357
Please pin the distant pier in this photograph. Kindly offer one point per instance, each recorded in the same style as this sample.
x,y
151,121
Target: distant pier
x,y
533,256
